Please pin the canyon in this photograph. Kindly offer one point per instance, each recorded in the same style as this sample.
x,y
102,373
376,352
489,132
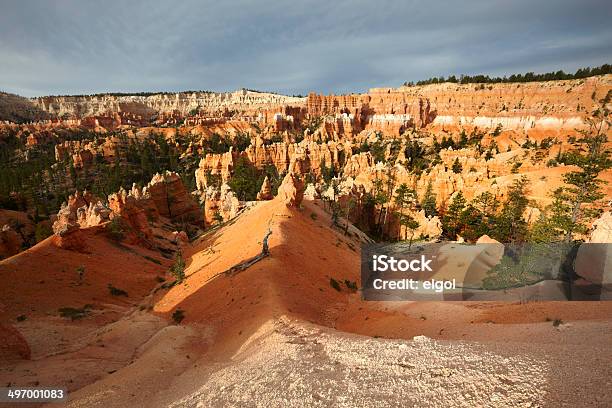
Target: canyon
x,y
192,245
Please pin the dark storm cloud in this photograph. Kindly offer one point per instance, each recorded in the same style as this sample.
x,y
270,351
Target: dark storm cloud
x,y
65,47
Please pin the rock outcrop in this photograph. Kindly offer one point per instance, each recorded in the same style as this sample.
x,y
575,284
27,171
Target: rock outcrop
x,y
11,241
81,210
149,106
265,193
291,190
135,208
594,258
172,199
536,108
602,229
17,109
214,164
220,204
311,193
132,211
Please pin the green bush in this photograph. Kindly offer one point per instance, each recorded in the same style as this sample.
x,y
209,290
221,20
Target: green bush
x,y
178,268
178,316
116,291
350,285
115,229
43,231
334,284
81,272
74,313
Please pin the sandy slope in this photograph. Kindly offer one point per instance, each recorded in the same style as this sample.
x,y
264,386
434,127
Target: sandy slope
x,y
290,363
36,283
266,333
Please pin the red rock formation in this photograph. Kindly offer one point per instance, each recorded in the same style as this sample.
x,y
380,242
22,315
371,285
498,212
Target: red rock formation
x,y
265,193
76,210
172,199
536,107
12,344
10,242
220,204
217,165
291,190
308,154
357,164
136,209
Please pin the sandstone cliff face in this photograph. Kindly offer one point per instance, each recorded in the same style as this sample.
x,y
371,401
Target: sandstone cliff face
x,y
133,211
147,107
217,165
136,208
80,211
602,229
220,204
555,105
291,190
429,227
309,155
172,199
10,242
265,192
17,109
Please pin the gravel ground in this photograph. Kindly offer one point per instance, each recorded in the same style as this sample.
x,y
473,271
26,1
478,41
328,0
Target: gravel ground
x,y
296,365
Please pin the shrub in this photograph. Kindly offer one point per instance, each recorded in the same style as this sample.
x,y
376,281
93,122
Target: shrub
x,y
350,285
42,232
334,284
115,229
178,268
81,272
74,313
457,167
116,291
178,316
245,180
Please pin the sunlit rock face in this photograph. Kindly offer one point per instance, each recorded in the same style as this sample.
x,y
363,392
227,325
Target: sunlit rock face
x,y
177,104
536,107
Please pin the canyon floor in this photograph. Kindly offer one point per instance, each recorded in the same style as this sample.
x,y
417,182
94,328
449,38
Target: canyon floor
x,y
277,334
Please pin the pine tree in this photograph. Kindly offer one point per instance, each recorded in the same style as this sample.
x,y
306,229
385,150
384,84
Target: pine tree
x,y
451,221
457,167
509,224
574,206
410,224
405,198
429,201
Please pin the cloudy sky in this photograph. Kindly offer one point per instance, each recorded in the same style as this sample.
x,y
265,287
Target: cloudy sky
x,y
67,47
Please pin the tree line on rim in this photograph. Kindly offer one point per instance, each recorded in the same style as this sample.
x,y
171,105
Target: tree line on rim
x,y
527,77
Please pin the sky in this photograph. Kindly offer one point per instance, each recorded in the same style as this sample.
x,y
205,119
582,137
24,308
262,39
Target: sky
x,y
291,47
